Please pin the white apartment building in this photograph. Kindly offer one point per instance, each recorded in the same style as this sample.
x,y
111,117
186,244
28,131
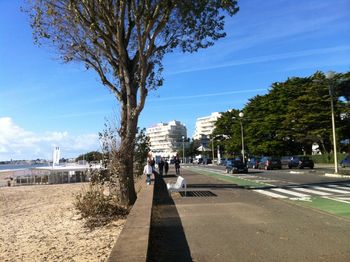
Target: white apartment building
x,y
166,138
205,126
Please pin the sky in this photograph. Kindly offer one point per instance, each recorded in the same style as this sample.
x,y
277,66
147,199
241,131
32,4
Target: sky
x,y
45,103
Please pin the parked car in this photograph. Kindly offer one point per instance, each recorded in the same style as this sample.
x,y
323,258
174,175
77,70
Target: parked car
x,y
301,162
253,162
270,162
227,159
285,160
345,162
236,166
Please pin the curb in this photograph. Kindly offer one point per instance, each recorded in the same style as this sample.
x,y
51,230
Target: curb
x,y
336,175
132,243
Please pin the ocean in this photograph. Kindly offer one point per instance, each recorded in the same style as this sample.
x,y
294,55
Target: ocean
x,y
19,166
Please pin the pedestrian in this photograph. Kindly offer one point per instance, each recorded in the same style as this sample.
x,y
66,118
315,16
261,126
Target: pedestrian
x,y
177,165
153,164
148,170
166,167
161,166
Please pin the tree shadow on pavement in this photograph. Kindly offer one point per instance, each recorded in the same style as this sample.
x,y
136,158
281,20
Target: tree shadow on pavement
x,y
167,238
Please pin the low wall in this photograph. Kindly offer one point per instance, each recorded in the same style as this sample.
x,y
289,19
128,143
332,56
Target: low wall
x,y
132,243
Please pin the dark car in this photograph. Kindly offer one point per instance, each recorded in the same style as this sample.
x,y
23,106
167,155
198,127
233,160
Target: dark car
x,y
301,162
345,162
236,166
285,160
253,162
270,162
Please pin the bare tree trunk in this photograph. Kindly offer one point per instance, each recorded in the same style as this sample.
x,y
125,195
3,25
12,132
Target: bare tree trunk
x,y
127,133
126,171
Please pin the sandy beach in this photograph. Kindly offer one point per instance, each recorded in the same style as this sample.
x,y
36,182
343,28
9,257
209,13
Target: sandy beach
x,y
39,223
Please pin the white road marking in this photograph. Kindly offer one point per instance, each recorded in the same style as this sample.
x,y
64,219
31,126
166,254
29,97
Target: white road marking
x,y
289,192
307,190
268,193
330,190
341,188
339,199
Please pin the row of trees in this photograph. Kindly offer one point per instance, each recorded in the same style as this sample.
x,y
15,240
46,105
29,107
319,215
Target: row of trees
x,y
290,118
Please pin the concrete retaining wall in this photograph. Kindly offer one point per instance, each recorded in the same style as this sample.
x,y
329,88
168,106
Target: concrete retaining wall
x,y
132,243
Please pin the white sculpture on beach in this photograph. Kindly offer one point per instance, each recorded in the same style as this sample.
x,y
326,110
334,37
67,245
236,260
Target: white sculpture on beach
x,y
56,156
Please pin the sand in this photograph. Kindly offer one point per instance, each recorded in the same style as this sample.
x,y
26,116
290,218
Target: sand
x,y
39,223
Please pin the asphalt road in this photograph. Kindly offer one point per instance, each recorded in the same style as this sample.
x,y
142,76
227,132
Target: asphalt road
x,y
285,177
230,223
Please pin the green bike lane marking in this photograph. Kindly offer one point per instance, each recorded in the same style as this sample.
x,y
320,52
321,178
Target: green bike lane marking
x,y
327,205
237,180
315,202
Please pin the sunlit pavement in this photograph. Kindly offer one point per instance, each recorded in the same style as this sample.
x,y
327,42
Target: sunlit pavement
x,y
233,222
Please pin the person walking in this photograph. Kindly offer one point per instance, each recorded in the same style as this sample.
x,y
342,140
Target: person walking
x,y
177,165
148,170
166,167
161,166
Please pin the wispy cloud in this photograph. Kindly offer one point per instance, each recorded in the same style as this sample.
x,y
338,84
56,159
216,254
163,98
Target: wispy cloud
x,y
279,22
208,95
268,58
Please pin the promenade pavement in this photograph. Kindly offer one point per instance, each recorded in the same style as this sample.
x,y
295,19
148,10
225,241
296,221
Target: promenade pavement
x,y
219,221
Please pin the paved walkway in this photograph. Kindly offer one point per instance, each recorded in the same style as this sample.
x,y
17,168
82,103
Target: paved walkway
x,y
219,221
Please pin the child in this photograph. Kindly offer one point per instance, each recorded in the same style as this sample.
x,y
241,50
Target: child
x,y
148,170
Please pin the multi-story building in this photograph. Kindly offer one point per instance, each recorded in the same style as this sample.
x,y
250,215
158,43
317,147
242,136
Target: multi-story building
x,y
167,138
204,127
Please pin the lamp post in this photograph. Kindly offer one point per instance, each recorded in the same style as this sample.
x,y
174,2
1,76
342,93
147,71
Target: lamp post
x,y
241,115
212,144
183,149
329,77
212,148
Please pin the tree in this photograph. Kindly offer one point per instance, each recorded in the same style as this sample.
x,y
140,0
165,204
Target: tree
x,y
191,150
91,156
125,42
142,148
228,125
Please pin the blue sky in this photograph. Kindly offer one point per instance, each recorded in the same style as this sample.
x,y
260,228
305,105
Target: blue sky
x,y
45,103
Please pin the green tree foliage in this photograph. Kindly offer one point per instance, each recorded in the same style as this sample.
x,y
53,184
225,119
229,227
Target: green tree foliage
x,y
125,42
91,156
191,150
228,126
142,148
291,117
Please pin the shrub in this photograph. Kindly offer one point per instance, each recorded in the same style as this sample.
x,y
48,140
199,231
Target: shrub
x,y
97,207
327,158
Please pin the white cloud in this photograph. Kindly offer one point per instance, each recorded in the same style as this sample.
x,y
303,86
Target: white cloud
x,y
17,143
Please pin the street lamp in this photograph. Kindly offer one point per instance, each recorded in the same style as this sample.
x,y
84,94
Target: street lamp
x,y
183,149
241,115
330,76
